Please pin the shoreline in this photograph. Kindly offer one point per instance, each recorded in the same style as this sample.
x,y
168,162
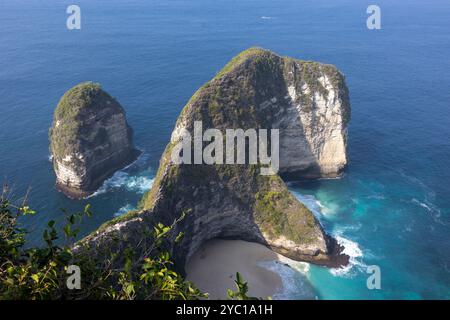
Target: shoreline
x,y
213,268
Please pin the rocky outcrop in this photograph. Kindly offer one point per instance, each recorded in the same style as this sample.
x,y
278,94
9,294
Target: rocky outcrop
x,y
312,119
308,102
89,140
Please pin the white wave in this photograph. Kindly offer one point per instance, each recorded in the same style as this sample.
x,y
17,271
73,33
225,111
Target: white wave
x,y
432,209
140,184
267,18
134,183
294,278
422,204
355,254
376,197
317,207
311,203
417,182
126,208
350,227
302,267
351,248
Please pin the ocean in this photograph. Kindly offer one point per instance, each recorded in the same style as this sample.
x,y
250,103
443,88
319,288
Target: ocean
x,y
390,209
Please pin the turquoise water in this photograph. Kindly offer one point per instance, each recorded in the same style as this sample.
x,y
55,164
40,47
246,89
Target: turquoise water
x,y
391,209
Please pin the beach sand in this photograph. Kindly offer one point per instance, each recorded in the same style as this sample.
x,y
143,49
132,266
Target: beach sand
x,y
213,268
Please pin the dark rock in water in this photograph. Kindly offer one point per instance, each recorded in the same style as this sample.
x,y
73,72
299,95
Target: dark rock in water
x,y
89,140
308,103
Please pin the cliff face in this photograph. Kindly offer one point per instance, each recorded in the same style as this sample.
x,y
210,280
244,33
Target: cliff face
x,y
308,103
89,140
312,118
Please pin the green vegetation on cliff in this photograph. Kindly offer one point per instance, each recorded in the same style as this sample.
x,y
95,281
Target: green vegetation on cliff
x,y
229,101
234,201
260,68
66,122
41,273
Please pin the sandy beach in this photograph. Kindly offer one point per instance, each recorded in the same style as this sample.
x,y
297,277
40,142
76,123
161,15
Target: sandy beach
x,y
213,267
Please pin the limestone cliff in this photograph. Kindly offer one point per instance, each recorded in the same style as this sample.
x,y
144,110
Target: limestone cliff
x,y
89,140
308,102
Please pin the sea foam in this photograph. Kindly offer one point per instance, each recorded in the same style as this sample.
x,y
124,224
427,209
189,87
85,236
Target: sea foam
x,y
351,248
431,209
139,183
355,254
294,278
126,208
134,183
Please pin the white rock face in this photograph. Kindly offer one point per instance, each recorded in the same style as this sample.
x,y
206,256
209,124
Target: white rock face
x,y
313,131
68,173
74,168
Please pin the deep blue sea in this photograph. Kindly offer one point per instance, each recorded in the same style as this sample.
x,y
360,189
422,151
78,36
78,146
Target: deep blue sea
x,y
392,207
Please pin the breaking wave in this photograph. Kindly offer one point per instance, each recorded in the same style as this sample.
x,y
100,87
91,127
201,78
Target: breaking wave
x,y
126,208
134,183
355,253
312,204
351,248
138,182
294,278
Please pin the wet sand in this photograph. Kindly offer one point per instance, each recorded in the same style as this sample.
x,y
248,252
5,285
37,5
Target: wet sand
x,y
213,268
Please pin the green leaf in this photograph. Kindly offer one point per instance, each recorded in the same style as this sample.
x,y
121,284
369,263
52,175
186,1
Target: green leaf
x,y
27,211
238,278
87,210
35,277
10,270
67,230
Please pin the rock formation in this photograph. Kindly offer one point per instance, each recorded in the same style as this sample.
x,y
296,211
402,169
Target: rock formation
x,y
89,140
308,102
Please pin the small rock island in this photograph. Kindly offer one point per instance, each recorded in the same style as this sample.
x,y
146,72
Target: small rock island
x,y
308,102
90,139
